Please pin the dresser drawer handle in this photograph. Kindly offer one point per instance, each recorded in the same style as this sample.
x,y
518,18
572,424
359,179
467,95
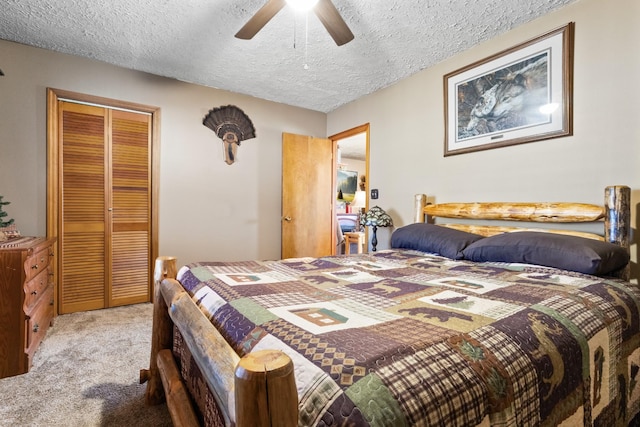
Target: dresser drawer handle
x,y
34,267
34,292
36,327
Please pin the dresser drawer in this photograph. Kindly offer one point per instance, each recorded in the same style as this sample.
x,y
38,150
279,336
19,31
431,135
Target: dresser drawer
x,y
37,263
35,288
38,321
28,288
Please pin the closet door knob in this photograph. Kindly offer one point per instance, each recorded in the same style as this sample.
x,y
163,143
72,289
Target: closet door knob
x,y
287,218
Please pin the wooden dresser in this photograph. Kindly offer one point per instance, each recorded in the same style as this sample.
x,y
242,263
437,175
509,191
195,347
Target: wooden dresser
x,y
27,289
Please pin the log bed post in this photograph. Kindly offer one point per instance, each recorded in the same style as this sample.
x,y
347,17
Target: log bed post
x,y
617,219
420,202
265,390
162,331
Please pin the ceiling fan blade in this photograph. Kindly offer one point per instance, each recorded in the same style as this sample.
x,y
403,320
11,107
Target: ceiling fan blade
x,y
333,22
260,19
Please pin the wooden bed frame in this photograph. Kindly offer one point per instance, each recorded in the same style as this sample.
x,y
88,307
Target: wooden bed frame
x,y
259,389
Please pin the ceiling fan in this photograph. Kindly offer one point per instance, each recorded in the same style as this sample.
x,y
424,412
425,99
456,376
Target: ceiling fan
x,y
324,10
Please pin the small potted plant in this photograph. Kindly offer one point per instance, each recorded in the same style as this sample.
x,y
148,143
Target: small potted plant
x,y
7,228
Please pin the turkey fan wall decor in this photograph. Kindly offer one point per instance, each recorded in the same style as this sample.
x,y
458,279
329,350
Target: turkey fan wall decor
x,y
231,125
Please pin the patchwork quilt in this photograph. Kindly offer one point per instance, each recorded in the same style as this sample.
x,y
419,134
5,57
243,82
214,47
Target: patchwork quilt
x,y
401,337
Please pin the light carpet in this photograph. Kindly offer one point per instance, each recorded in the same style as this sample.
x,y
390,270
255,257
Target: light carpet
x,y
86,373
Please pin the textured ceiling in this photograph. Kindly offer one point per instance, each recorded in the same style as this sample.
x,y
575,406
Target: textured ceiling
x,y
193,41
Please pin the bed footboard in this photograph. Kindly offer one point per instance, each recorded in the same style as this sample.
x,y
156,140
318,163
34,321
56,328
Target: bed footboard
x,y
257,390
162,331
178,402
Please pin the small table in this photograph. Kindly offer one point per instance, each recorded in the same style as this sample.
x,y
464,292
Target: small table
x,y
356,237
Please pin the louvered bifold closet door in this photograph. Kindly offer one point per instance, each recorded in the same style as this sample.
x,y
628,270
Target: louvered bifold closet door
x,y
105,207
82,223
131,203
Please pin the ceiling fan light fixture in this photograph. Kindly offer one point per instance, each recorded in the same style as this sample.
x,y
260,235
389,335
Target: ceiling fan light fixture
x,y
323,9
302,5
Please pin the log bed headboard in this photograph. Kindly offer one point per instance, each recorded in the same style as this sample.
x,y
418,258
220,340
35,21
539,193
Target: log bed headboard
x,y
614,214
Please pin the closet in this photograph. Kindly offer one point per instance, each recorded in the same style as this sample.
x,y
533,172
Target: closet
x,y
102,200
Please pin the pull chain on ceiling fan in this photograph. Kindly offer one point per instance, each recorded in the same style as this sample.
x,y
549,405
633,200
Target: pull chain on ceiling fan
x,y
324,10
306,40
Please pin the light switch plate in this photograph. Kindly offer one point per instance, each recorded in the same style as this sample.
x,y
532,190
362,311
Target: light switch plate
x,y
374,193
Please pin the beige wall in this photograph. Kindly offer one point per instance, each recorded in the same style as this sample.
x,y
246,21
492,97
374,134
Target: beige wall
x,y
208,209
407,125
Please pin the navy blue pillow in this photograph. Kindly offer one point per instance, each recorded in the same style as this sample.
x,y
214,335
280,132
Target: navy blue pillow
x,y
433,238
572,253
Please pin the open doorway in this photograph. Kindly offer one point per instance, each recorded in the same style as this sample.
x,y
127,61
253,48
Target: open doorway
x,y
352,187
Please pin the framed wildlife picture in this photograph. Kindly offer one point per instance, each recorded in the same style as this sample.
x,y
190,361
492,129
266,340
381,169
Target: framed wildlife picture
x,y
519,95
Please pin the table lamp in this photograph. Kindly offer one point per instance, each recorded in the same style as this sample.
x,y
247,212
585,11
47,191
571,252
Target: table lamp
x,y
376,217
359,201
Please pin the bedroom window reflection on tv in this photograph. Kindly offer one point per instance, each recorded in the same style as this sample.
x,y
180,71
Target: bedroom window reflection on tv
x,y
347,183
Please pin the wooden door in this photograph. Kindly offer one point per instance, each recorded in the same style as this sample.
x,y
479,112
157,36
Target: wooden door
x,y
83,227
308,172
130,208
102,195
